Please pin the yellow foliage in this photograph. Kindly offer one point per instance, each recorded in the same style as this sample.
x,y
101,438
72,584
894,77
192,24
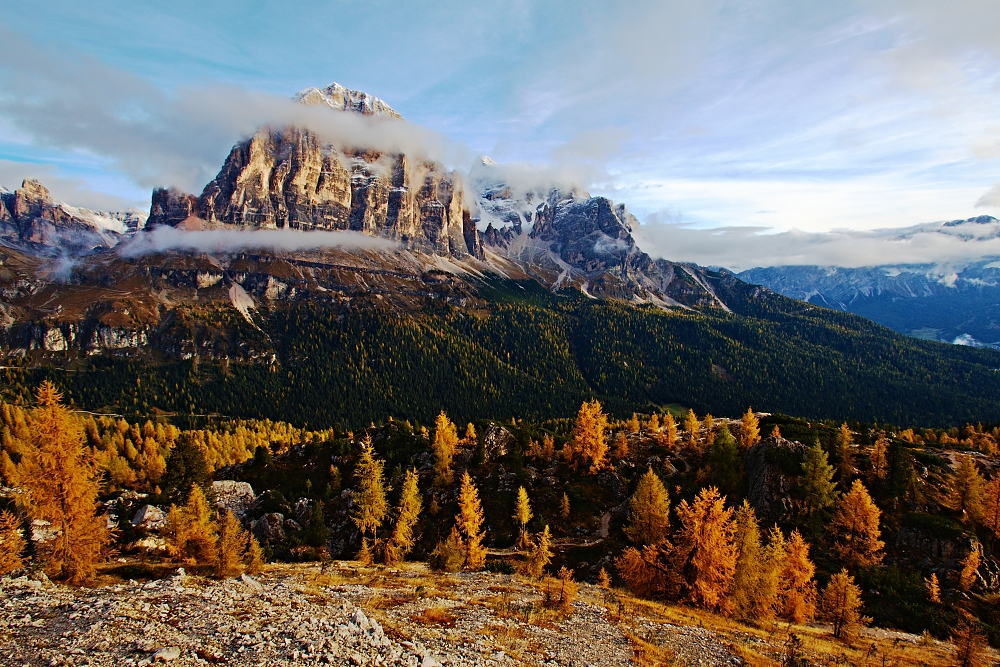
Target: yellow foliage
x,y
541,553
402,539
588,446
443,448
12,543
798,588
231,552
855,529
705,554
649,519
749,430
469,521
522,515
880,463
970,566
841,606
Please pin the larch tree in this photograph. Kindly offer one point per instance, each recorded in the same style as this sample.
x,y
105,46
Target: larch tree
x,y
12,543
522,515
444,446
201,532
632,424
705,556
798,589
649,516
232,549
653,425
254,557
370,503
968,491
469,521
621,447
970,643
840,604
845,455
564,509
670,430
692,426
745,598
589,445
968,575
776,432
816,483
749,430
470,434
402,539
855,529
991,506
541,553
62,485
879,457
933,589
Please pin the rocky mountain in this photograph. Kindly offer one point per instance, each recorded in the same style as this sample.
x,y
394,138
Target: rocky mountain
x,y
30,219
957,304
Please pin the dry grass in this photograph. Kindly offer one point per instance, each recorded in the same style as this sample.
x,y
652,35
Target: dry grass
x,y
438,616
647,653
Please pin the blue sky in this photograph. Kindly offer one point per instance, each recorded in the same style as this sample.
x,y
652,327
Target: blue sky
x,y
780,115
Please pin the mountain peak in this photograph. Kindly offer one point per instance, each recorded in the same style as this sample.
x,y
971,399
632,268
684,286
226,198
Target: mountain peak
x,y
340,98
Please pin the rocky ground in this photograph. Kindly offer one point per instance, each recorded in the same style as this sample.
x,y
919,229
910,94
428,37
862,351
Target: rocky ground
x,y
348,615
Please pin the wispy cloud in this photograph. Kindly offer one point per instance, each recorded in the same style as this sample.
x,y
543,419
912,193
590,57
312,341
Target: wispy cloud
x,y
170,239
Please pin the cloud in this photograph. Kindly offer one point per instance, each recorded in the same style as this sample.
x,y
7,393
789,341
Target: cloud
x,y
991,198
742,248
71,102
168,239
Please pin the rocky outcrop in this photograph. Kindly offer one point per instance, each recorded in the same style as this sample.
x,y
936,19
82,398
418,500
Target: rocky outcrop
x,y
768,488
231,496
171,207
30,217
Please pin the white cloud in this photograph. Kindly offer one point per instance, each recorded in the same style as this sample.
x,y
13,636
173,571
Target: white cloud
x,y
169,239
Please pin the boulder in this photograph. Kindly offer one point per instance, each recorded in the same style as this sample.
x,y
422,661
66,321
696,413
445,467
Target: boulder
x,y
149,517
496,441
269,528
235,497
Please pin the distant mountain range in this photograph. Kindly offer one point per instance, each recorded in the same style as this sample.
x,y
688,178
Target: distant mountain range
x,y
959,305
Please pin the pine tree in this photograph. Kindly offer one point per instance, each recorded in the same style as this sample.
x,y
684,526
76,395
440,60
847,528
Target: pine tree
x,y
705,555
968,492
370,502
880,463
670,430
62,486
845,455
469,521
749,430
968,576
522,515
233,540
649,519
817,480
185,467
798,589
12,543
443,448
725,463
589,446
933,589
841,606
564,507
692,426
991,506
402,540
855,529
541,553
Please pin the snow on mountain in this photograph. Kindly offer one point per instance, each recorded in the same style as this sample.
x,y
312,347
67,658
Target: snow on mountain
x,y
340,98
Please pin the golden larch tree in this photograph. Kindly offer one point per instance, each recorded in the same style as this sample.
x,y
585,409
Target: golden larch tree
x,y
968,575
195,531
653,425
692,426
231,553
604,579
649,516
708,424
470,434
970,642
755,586
589,444
62,485
705,555
254,556
670,430
933,589
776,432
402,539
444,446
469,521
968,491
991,506
12,543
564,509
798,588
855,529
840,604
880,457
370,502
632,424
522,515
621,447
541,553
749,430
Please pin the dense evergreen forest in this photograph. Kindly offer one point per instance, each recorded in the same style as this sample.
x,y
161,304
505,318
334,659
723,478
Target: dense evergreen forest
x,y
526,352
